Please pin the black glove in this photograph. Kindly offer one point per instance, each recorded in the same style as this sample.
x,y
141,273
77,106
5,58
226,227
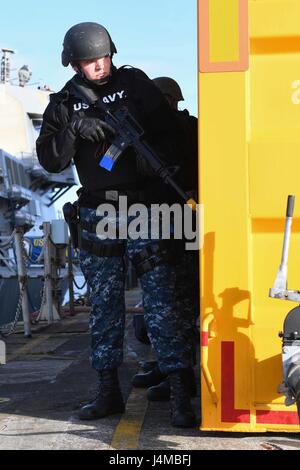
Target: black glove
x,y
91,129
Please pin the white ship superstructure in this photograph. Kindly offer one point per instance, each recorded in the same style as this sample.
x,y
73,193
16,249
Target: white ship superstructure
x,y
27,191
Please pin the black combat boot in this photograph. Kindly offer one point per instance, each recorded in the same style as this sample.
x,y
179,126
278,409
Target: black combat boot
x,y
182,414
161,392
109,399
154,377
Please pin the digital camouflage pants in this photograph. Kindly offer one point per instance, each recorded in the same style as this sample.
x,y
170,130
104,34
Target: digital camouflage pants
x,y
106,279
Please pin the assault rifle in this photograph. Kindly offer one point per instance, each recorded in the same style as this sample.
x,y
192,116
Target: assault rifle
x,y
129,133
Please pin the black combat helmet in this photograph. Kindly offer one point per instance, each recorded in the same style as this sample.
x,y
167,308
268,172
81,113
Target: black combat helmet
x,y
86,41
169,87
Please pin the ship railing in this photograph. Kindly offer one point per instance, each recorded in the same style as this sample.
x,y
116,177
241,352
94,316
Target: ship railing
x,y
20,194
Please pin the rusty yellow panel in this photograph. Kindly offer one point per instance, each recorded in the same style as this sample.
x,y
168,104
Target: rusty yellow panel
x,y
249,163
274,18
273,175
223,35
224,30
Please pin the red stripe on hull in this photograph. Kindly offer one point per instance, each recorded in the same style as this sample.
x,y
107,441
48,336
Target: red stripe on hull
x,y
204,338
277,417
229,413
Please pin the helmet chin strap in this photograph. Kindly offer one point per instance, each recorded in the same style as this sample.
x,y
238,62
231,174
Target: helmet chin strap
x,y
100,82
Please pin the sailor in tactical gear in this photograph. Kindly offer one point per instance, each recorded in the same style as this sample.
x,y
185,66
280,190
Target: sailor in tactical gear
x,y
75,130
186,264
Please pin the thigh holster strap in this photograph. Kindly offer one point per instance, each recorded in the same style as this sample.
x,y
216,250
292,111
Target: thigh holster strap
x,y
99,249
148,258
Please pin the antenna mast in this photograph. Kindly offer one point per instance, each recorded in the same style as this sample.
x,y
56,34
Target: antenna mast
x,y
5,65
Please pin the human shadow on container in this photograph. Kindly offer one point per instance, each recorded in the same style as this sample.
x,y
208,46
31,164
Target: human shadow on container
x,y
235,350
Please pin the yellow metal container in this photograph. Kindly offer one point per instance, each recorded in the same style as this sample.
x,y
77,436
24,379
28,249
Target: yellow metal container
x,y
249,109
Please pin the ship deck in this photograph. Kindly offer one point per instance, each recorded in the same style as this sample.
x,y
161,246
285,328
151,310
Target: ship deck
x,y
48,377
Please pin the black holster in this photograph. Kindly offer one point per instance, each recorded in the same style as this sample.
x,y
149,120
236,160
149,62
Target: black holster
x,y
71,216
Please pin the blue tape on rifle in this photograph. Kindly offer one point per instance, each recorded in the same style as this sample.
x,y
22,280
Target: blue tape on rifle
x,y
107,163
